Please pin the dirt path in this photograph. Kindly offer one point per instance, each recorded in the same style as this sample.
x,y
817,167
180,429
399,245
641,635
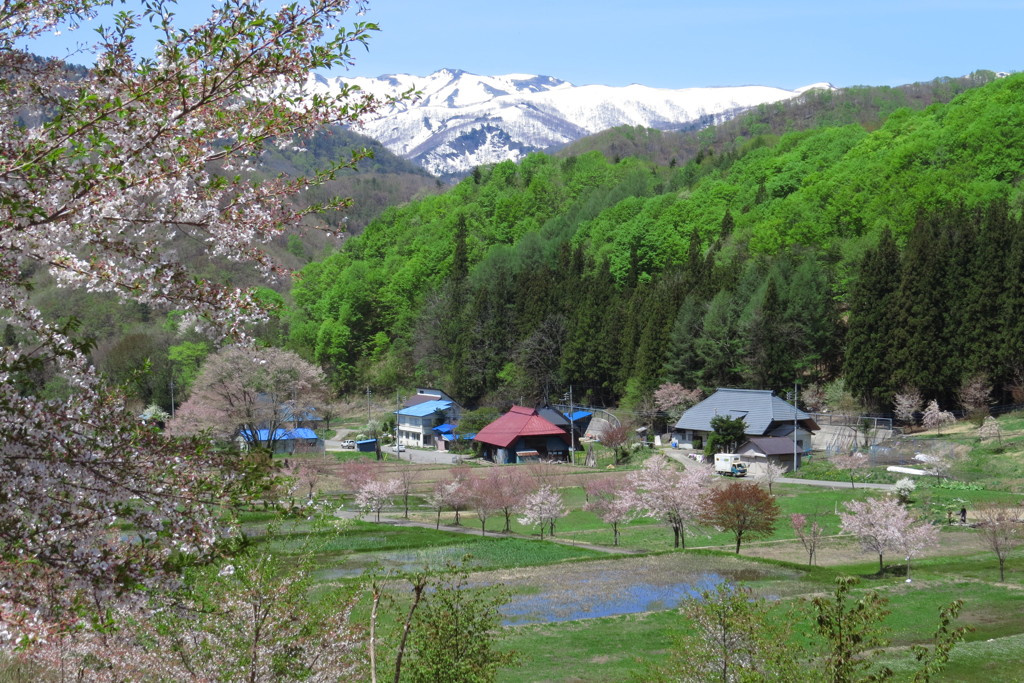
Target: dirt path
x,y
394,519
842,549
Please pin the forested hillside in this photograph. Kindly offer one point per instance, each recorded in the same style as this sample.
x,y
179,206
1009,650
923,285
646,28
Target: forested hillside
x,y
128,336
866,105
885,255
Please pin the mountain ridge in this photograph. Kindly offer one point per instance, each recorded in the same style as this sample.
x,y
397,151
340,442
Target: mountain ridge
x,y
462,120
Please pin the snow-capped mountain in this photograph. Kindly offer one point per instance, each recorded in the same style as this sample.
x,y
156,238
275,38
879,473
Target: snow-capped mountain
x,y
462,120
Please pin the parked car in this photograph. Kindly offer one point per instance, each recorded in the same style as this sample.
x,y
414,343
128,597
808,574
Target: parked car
x,y
398,448
348,443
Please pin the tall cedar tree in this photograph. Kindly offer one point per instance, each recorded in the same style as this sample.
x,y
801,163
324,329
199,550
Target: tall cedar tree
x,y
1010,351
813,316
770,349
682,363
986,281
926,306
593,342
870,339
654,318
720,346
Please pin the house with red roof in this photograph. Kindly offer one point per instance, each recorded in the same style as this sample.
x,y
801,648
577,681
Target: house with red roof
x,y
523,435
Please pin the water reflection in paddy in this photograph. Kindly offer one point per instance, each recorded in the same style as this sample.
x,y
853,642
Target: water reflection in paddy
x,y
610,597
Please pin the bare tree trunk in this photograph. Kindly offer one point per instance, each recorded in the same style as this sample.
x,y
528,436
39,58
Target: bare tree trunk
x,y
373,633
417,590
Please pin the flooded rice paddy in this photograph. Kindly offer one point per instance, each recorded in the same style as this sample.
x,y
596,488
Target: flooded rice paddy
x,y
586,590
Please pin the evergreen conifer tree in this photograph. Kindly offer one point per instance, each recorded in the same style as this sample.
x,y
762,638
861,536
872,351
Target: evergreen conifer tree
x,y
870,338
926,304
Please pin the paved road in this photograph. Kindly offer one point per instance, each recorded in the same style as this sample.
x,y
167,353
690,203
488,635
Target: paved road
x,y
422,457
837,484
680,456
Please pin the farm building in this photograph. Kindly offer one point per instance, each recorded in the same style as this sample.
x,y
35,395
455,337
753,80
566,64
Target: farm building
x,y
765,415
522,435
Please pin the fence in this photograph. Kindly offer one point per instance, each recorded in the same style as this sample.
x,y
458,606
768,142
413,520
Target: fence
x,y
856,421
598,413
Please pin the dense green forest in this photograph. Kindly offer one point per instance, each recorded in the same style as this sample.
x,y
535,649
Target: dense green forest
x,y
883,253
867,237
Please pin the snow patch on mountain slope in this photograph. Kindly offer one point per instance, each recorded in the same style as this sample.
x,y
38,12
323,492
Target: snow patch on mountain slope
x,y
462,120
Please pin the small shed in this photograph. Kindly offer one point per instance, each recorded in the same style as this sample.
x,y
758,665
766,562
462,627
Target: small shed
x,y
777,450
367,446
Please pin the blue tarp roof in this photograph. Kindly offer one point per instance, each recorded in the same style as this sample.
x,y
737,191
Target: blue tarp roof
x,y
445,428
280,434
579,415
454,437
367,441
424,409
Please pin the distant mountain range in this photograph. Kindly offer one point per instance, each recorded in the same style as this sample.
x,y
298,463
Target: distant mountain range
x,y
462,120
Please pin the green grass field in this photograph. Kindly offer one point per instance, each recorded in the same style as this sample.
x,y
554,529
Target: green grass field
x,y
618,648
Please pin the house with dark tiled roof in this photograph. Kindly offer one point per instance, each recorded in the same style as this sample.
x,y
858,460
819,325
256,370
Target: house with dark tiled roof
x,y
523,435
766,417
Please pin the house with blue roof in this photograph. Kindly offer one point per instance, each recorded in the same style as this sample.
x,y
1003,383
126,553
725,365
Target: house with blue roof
x,y
283,441
416,423
769,419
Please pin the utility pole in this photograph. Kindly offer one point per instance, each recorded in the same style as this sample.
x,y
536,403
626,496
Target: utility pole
x,y
796,393
368,392
572,428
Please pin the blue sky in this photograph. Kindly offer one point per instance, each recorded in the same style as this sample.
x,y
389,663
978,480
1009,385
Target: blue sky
x,y
685,43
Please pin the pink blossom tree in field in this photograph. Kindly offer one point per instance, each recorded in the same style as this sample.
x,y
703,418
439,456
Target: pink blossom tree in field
x,y
883,524
675,498
355,473
407,475
906,404
770,473
452,493
484,494
375,495
511,486
307,473
437,499
99,169
914,538
609,498
543,508
810,536
459,493
1001,530
852,463
934,417
252,392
